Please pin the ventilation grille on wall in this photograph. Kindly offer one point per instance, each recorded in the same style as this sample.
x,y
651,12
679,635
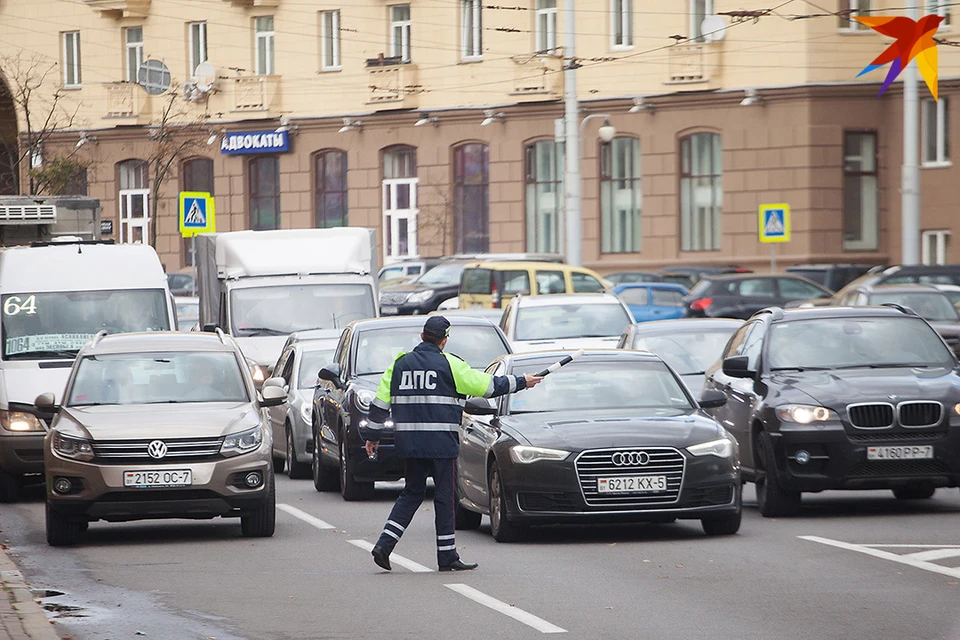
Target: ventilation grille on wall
x,y
28,214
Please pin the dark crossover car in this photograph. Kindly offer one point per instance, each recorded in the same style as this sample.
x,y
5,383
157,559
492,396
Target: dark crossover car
x,y
947,275
611,437
840,398
831,276
740,296
424,293
690,345
348,386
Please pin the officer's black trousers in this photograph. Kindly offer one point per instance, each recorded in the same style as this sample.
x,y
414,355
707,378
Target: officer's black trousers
x,y
444,473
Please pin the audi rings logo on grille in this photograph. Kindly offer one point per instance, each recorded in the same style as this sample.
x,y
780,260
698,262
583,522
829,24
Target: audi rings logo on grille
x,y
157,449
630,458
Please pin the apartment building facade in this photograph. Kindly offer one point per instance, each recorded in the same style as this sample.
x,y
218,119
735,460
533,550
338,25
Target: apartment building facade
x,y
435,122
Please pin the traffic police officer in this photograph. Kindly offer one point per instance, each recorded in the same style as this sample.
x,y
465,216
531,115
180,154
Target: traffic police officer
x,y
425,389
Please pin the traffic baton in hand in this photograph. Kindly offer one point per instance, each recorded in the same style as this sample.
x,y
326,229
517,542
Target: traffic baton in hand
x,y
557,365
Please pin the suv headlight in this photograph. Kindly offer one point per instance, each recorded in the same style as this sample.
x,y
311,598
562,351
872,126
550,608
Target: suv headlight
x,y
20,421
522,454
73,448
306,410
805,414
722,448
420,296
364,397
242,442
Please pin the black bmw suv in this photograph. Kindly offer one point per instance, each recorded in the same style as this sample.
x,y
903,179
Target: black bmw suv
x,y
840,398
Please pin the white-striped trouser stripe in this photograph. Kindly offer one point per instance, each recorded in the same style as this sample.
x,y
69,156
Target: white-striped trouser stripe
x,y
513,383
418,399
427,426
377,402
452,536
489,392
391,534
398,526
451,547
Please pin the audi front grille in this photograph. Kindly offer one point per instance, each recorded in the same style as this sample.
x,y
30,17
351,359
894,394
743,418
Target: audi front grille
x,y
660,461
871,415
920,413
179,450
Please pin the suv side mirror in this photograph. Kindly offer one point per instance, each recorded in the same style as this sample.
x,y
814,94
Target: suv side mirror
x,y
737,367
479,407
331,373
46,401
276,381
272,396
712,398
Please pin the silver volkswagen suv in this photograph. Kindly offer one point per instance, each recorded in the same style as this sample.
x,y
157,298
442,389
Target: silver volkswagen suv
x,y
159,425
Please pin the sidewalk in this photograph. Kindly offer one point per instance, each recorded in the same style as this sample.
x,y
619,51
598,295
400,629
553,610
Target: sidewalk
x,y
21,618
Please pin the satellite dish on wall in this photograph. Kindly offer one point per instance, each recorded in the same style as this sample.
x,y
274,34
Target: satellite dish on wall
x,y
713,28
154,77
204,76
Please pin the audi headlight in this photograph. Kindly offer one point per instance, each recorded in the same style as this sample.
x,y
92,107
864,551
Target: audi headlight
x,y
242,442
20,421
73,448
956,408
522,454
420,296
805,414
364,398
306,410
722,448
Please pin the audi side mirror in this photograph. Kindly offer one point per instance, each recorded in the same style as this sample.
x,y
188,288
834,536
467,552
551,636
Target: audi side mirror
x,y
737,367
479,407
712,399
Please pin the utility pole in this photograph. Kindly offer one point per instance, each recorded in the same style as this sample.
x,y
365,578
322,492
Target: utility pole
x,y
910,177
572,231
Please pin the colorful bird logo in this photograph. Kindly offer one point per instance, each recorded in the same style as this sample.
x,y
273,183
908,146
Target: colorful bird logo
x,y
913,40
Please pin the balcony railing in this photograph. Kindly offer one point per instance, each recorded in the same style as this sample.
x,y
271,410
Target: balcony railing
x,y
120,8
686,64
539,76
255,93
125,100
394,84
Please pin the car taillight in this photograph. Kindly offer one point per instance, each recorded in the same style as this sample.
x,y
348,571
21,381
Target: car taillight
x,y
495,296
701,304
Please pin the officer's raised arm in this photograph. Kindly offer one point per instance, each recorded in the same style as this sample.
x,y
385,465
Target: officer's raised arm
x,y
471,382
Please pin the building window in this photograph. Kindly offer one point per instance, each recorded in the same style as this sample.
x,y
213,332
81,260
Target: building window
x,y
71,59
933,247
546,26
471,181
400,32
860,191
134,201
472,29
544,196
198,45
265,45
399,202
622,27
134,44
620,196
936,131
699,10
940,8
330,40
850,9
330,178
197,177
701,192
264,193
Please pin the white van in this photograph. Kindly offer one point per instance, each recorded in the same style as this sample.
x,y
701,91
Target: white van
x,y
54,297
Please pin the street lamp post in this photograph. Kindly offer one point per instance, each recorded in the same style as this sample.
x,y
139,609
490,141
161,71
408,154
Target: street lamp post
x,y
572,194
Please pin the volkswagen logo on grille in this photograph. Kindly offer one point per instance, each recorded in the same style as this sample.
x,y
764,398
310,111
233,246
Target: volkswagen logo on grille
x,y
157,449
630,458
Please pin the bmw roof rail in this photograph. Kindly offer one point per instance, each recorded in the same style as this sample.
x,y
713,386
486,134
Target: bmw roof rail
x,y
900,308
223,338
775,312
100,334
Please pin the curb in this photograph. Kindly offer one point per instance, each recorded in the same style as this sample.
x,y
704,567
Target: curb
x,y
31,616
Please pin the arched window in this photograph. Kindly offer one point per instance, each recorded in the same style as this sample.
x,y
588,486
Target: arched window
x,y
701,192
264,193
471,181
197,174
399,202
330,188
134,177
620,196
544,195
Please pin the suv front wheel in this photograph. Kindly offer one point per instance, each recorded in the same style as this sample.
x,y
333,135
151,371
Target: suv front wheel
x,y
61,531
261,522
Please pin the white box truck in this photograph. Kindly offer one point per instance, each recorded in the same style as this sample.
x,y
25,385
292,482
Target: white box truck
x,y
261,286
54,297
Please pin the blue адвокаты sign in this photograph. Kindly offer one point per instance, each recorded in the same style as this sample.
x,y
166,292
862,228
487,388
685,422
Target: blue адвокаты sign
x,y
255,142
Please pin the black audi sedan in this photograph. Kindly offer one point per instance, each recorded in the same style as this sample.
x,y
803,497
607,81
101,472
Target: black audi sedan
x,y
346,388
840,398
614,436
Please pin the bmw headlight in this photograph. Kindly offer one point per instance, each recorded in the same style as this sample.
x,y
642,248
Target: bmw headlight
x,y
420,296
20,421
306,411
722,448
956,408
242,442
364,398
73,448
522,454
805,414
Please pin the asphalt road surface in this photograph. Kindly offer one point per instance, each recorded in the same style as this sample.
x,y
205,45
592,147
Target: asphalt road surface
x,y
853,566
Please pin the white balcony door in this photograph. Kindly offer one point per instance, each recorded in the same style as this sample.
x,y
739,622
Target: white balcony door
x,y
400,218
134,216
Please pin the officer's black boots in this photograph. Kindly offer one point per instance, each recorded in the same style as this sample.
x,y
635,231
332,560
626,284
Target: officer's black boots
x,y
382,557
459,565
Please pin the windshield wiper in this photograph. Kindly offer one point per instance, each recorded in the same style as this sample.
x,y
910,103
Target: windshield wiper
x,y
43,354
93,404
800,369
263,331
892,365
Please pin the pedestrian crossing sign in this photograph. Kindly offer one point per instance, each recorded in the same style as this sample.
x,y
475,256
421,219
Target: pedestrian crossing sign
x,y
774,223
197,214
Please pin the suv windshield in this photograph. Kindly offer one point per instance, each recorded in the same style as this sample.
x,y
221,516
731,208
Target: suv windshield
x,y
279,311
444,274
572,320
832,343
478,345
153,378
632,384
56,325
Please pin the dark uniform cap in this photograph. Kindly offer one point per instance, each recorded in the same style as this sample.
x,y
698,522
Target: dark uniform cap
x,y
436,327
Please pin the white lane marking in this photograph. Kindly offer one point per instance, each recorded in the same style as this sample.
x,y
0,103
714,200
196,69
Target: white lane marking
x,y
306,517
913,546
886,555
934,554
416,567
513,612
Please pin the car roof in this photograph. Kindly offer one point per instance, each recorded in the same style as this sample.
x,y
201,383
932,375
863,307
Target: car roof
x,y
316,345
907,287
415,322
686,325
556,299
825,313
159,341
524,264
315,334
668,286
830,265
